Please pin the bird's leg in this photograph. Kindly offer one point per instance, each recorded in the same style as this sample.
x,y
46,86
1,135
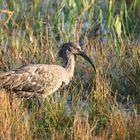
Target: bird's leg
x,y
36,106
69,105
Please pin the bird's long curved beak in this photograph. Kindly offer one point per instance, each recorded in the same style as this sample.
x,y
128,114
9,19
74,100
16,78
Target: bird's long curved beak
x,y
84,55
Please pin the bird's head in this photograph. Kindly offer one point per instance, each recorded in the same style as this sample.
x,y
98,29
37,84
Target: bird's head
x,y
68,49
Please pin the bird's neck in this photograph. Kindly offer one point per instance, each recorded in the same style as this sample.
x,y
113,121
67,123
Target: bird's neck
x,y
69,65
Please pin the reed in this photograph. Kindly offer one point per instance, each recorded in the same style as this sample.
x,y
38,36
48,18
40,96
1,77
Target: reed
x,y
102,106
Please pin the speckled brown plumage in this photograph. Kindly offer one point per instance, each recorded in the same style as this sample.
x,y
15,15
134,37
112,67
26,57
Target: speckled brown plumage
x,y
42,79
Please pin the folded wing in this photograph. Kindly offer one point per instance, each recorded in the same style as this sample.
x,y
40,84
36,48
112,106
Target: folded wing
x,y
33,78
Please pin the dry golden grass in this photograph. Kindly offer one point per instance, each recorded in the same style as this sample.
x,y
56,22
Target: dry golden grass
x,y
103,118
104,106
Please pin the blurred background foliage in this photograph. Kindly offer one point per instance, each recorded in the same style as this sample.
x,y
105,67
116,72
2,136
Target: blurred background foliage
x,y
31,32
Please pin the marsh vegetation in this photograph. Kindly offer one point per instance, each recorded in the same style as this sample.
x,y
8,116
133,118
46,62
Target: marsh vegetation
x,y
103,106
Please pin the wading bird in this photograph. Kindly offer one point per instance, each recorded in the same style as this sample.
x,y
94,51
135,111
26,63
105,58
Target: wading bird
x,y
42,79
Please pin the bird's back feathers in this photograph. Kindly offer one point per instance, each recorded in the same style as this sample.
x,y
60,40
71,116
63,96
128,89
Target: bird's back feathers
x,y
37,78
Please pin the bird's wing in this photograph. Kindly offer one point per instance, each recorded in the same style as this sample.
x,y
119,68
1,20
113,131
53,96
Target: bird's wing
x,y
33,78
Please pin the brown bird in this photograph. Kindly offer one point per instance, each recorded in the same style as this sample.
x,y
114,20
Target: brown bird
x,y
42,79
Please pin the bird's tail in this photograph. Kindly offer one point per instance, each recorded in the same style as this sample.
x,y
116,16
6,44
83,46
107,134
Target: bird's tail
x,y
4,78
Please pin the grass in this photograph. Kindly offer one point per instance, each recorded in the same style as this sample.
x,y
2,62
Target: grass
x,y
104,106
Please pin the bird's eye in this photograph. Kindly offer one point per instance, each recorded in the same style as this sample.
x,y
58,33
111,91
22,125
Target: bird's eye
x,y
78,48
